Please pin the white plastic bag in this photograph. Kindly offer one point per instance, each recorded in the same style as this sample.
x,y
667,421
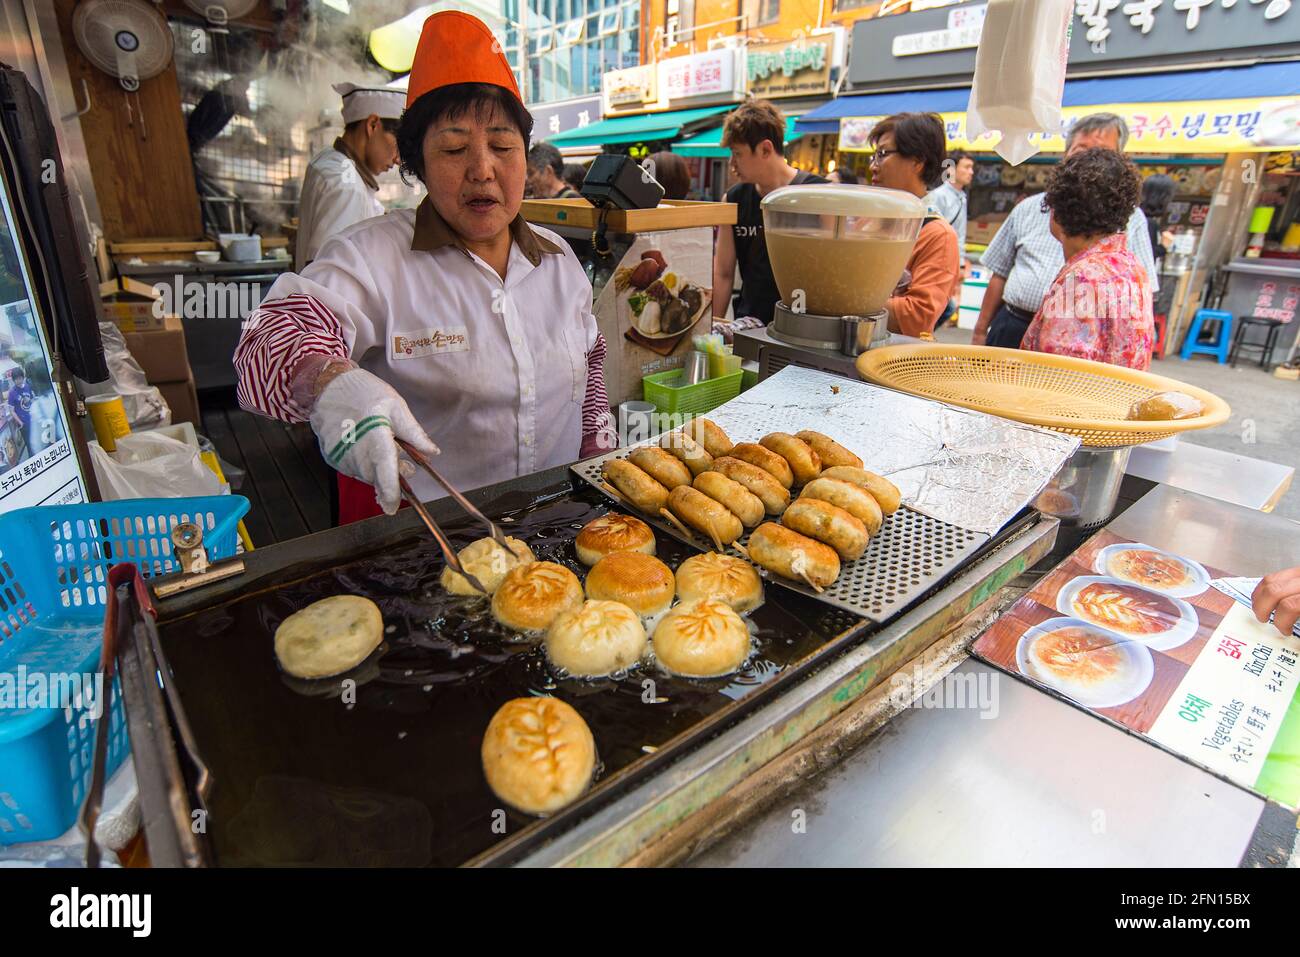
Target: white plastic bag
x,y
144,405
149,465
1020,73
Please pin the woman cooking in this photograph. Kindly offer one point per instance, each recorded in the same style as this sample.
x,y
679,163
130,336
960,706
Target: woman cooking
x,y
454,326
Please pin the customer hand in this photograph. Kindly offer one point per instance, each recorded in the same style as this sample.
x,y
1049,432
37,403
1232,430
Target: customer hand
x,y
978,337
1278,595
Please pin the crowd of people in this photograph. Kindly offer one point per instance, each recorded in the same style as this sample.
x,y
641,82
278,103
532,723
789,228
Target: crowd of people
x,y
1073,270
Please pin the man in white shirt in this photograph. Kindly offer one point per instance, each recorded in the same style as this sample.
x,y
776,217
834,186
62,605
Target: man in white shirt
x,y
1025,257
339,187
948,199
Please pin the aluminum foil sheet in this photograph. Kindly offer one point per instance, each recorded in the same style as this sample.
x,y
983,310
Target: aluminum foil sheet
x,y
964,468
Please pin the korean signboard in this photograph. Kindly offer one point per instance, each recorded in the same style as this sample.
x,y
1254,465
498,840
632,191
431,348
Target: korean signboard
x,y
1167,648
799,68
631,90
552,118
1207,126
712,75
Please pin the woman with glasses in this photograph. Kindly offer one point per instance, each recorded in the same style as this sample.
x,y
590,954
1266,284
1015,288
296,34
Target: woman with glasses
x,y
909,155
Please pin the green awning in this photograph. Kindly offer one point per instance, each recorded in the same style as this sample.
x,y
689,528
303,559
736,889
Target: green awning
x,y
637,129
709,143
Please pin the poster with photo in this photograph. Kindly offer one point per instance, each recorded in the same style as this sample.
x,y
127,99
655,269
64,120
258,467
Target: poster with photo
x,y
1146,639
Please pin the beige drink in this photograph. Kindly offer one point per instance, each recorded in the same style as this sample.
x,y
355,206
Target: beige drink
x,y
839,277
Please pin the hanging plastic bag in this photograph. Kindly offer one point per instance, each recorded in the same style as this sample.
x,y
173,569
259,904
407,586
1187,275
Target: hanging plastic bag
x,y
151,465
1020,74
144,405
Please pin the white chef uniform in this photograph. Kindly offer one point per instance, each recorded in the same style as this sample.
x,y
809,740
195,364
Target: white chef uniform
x,y
495,371
336,193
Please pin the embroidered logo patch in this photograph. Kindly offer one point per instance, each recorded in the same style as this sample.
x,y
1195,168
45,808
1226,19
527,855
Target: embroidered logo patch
x,y
430,342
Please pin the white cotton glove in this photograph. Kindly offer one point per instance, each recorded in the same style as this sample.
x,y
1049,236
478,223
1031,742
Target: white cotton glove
x,y
356,418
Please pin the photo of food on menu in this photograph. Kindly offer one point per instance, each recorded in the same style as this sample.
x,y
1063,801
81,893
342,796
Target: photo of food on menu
x,y
1144,638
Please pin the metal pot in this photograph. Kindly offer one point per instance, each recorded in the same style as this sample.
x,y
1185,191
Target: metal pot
x,y
860,333
1084,492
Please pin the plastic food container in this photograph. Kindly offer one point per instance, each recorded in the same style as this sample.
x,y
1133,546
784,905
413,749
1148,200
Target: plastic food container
x,y
839,250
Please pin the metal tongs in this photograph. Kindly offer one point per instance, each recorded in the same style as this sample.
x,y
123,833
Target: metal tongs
x,y
448,552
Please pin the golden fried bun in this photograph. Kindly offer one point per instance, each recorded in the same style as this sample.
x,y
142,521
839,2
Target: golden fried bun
x,y
710,435
724,577
538,754
642,582
488,562
329,636
598,639
531,596
882,490
701,639
613,533
805,463
854,499
695,456
793,556
635,485
662,466
828,450
766,459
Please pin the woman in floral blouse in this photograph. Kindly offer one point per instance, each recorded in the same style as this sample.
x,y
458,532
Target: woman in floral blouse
x,y
1099,306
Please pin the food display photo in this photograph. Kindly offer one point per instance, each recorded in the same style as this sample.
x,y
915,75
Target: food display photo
x,y
1143,638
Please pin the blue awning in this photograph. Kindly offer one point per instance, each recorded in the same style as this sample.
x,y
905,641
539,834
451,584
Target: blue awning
x,y
1226,83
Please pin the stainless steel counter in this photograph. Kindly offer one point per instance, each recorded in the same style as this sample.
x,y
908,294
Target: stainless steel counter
x,y
1039,781
1226,476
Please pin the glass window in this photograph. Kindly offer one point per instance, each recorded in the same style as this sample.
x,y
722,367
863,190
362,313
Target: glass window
x,y
769,12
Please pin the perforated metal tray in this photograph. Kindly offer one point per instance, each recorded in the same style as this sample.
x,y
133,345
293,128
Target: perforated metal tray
x,y
910,555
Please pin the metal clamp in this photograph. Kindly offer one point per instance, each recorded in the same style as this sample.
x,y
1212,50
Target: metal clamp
x,y
187,543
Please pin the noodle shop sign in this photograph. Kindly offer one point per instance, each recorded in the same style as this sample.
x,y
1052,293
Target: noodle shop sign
x,y
1207,126
788,69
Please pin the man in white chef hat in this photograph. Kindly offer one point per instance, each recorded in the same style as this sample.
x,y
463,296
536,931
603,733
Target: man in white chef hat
x,y
339,188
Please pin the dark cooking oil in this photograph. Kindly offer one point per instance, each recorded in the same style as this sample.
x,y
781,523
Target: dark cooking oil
x,y
383,769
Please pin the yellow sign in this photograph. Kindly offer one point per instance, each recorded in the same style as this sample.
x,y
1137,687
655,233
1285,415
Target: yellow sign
x,y
1261,124
798,68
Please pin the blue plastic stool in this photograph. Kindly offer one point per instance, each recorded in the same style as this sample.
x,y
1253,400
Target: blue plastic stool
x,y
1220,347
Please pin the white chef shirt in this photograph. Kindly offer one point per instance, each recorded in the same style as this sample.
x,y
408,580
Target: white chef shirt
x,y
334,197
495,371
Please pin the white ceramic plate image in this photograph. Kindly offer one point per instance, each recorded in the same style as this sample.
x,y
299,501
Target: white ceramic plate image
x,y
1200,578
1139,668
1179,633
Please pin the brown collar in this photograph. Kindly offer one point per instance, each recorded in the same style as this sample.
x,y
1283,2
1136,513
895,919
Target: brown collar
x,y
432,232
367,177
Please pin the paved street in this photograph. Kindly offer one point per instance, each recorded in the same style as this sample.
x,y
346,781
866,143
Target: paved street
x,y
1265,421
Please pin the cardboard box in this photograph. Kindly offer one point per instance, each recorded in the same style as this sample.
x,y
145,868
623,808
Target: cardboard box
x,y
161,353
183,400
981,231
135,316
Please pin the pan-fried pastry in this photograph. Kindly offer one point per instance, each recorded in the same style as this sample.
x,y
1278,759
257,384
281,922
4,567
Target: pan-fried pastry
x,y
1125,608
709,435
721,577
829,524
696,456
858,502
804,462
793,556
635,485
661,466
531,596
329,636
740,501
538,754
597,639
882,490
701,639
642,582
766,459
768,490
711,519
1080,657
828,450
488,562
611,533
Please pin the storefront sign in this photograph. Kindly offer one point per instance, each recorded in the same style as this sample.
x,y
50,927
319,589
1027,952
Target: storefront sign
x,y
630,90
936,46
552,118
711,75
1209,126
965,24
788,69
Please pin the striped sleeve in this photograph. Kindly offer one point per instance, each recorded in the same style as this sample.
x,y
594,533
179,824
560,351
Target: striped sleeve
x,y
598,433
275,337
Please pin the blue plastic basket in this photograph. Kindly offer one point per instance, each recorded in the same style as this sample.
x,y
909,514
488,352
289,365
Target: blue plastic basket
x,y
54,563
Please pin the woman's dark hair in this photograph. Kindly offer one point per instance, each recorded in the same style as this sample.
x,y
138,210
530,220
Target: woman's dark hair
x,y
917,136
1093,192
847,176
672,173
453,101
1157,191
575,174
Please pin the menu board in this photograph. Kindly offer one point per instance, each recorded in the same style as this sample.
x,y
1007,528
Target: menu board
x,y
1147,640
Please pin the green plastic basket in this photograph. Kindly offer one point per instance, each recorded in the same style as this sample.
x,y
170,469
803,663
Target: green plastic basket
x,y
689,399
